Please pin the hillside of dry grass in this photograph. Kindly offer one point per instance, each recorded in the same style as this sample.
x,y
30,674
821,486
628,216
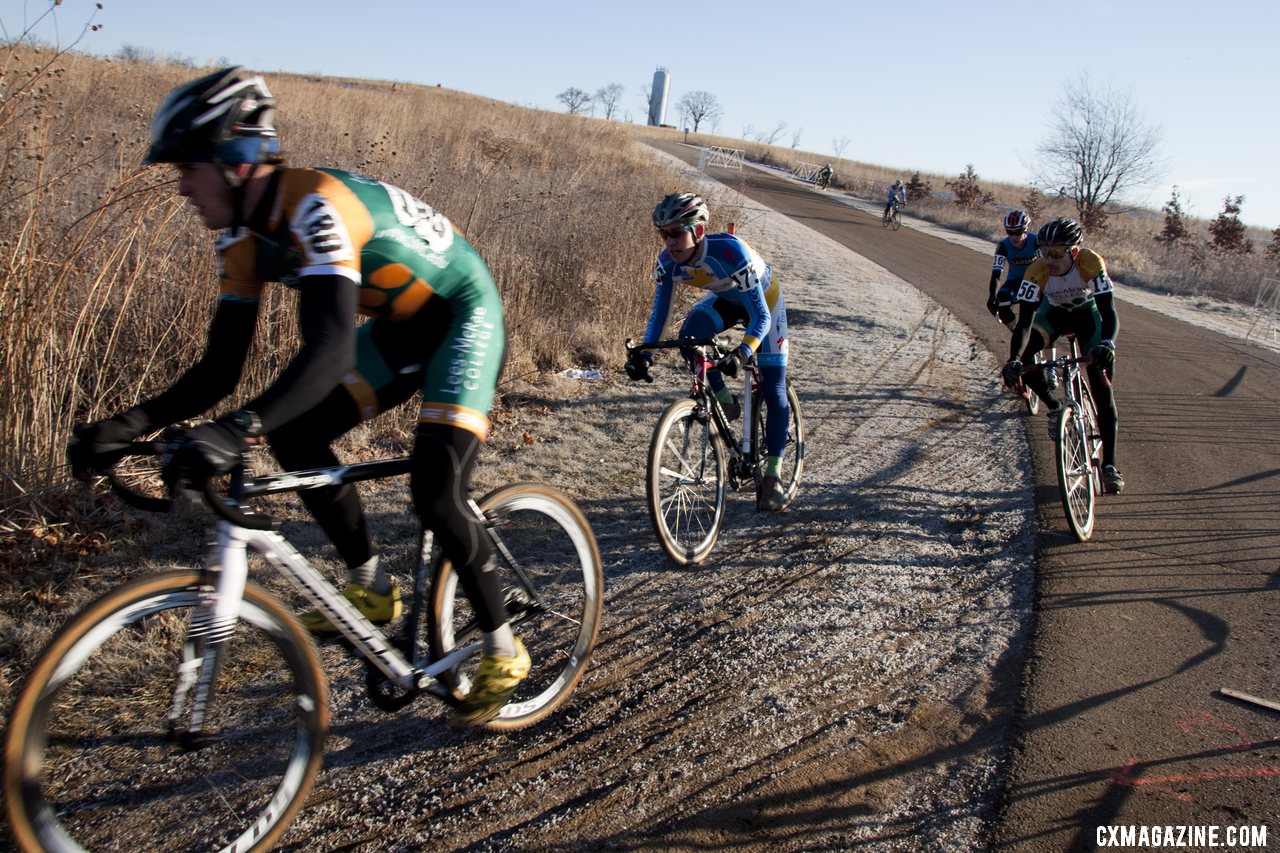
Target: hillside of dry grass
x,y
109,281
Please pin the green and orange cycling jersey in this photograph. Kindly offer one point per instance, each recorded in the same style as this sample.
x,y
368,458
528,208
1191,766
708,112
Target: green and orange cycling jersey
x,y
406,259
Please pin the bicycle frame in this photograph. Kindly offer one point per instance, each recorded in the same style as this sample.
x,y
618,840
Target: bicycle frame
x,y
228,562
227,566
741,450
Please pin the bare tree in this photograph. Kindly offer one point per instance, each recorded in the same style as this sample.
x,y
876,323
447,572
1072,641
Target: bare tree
x,y
1099,147
698,107
771,136
646,92
575,100
608,97
839,145
795,138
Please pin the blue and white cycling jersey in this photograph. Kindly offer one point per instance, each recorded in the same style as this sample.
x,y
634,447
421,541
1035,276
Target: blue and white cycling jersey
x,y
731,271
897,189
1014,261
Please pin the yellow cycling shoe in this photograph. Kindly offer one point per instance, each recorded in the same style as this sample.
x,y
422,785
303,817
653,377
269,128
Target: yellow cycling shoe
x,y
378,609
495,680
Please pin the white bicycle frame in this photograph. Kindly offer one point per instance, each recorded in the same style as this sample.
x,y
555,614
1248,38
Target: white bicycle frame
x,y
228,560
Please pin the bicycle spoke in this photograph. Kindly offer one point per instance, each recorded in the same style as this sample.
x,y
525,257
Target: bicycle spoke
x,y
685,484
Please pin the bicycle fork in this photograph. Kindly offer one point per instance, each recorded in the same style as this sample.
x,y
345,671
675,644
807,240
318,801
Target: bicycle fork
x,y
212,623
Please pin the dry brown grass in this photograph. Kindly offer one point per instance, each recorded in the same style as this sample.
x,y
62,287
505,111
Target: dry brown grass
x,y
109,282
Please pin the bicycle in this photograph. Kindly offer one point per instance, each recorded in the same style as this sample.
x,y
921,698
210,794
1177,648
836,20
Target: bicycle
x,y
196,700
695,453
1078,442
893,216
823,180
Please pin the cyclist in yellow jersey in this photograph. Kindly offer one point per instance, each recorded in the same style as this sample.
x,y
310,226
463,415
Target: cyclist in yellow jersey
x,y
1067,290
348,244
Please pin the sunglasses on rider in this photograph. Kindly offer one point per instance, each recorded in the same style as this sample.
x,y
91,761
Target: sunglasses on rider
x,y
1056,252
673,233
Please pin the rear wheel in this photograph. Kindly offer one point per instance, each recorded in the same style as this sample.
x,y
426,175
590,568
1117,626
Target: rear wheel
x,y
792,453
113,746
1075,473
685,482
552,581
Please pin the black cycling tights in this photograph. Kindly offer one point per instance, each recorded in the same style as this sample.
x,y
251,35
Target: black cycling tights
x,y
1103,397
442,460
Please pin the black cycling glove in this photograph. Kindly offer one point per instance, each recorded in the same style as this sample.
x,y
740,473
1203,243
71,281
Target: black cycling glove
x,y
92,443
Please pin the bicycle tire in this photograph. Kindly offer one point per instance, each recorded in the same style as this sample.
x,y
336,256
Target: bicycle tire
x,y
685,482
792,454
1029,397
896,219
91,761
1093,437
1075,474
555,552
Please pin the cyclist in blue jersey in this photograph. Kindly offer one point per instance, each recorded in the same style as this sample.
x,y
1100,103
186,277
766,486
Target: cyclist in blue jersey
x,y
347,244
1013,255
742,288
897,194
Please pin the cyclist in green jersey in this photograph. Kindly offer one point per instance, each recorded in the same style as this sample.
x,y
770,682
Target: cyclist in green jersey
x,y
348,244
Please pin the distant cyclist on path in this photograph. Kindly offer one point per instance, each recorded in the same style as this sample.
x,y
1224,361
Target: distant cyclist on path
x,y
897,195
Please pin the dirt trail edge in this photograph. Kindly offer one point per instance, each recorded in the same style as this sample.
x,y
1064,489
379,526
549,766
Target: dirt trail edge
x,y
826,680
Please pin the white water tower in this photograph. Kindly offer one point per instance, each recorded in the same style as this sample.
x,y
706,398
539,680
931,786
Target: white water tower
x,y
658,97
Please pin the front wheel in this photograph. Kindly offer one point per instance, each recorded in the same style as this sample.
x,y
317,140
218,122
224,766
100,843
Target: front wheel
x,y
792,452
1029,396
685,482
550,573
115,744
1075,473
896,219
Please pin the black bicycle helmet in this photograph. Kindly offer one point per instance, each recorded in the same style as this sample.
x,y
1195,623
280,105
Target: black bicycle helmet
x,y
686,209
225,118
1060,232
1017,221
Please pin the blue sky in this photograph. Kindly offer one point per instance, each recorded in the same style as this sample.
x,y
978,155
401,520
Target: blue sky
x,y
927,84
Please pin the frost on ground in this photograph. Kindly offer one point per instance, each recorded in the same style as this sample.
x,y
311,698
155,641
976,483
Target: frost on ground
x,y
842,673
